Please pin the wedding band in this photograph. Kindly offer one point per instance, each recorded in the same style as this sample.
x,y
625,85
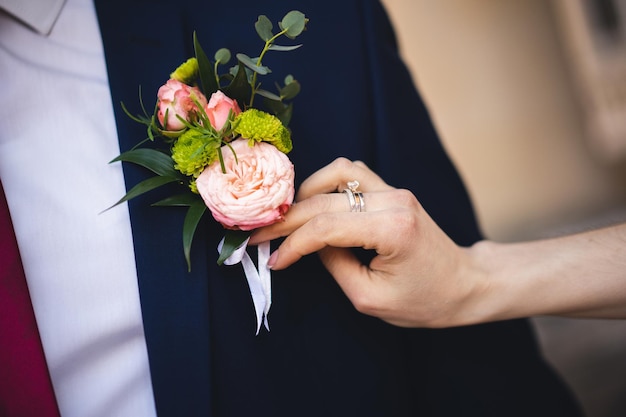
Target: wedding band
x,y
357,203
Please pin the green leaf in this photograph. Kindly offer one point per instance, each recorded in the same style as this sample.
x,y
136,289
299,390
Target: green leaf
x,y
207,74
179,200
281,110
239,89
290,90
139,119
268,94
145,186
145,119
232,241
263,27
190,224
285,115
294,23
283,48
155,161
250,63
222,56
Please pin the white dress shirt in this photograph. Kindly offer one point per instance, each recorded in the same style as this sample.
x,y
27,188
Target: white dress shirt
x,y
57,134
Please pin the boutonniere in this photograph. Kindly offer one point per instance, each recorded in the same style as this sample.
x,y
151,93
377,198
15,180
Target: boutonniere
x,y
227,140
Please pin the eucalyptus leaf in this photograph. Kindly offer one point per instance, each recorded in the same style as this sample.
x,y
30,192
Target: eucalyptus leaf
x,y
284,47
179,200
207,74
268,94
294,23
155,161
190,224
250,63
222,56
145,186
232,241
263,27
290,90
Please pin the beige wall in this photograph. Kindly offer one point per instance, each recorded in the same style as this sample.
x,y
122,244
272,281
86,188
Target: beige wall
x,y
496,79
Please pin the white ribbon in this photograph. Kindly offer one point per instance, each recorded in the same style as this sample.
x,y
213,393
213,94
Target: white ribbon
x,y
259,279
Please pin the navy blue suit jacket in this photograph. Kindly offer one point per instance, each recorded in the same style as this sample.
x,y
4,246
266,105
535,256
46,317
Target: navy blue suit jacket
x,y
322,358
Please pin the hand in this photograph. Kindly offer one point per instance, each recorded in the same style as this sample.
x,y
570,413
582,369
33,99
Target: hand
x,y
419,276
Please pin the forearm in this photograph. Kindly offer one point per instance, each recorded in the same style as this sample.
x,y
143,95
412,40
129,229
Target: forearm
x,y
582,275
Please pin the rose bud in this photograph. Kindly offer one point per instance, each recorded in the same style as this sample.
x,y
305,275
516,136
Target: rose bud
x,y
219,108
177,99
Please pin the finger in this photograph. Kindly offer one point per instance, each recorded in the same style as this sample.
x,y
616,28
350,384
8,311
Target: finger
x,y
300,213
367,294
369,230
353,277
305,210
335,176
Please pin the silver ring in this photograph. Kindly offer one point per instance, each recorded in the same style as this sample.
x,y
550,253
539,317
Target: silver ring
x,y
357,203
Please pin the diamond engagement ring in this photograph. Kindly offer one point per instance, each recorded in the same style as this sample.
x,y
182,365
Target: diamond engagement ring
x,y
357,204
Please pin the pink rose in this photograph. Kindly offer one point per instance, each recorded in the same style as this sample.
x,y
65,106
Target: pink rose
x,y
255,191
177,98
219,108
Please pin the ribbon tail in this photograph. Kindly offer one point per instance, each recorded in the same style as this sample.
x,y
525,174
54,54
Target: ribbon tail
x,y
265,278
259,280
256,289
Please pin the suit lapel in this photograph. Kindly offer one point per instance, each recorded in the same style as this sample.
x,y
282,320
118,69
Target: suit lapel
x,y
174,302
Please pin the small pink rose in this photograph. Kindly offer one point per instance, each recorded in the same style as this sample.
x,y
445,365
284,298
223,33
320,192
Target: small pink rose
x,y
256,190
177,98
218,109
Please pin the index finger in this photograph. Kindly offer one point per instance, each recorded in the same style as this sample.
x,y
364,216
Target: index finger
x,y
367,230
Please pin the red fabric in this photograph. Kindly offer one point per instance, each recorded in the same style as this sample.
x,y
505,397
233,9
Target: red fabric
x,y
25,387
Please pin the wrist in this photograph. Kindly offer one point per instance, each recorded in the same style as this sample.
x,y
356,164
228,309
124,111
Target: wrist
x,y
482,303
512,281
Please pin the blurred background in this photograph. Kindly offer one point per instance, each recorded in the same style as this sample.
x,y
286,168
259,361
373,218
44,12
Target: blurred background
x,y
529,97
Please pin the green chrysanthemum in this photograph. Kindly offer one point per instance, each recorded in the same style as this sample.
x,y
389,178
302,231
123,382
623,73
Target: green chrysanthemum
x,y
186,72
258,126
193,151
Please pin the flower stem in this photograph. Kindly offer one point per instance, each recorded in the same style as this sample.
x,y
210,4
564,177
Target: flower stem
x,y
266,48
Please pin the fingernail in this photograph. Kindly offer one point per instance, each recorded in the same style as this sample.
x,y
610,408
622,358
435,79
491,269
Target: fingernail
x,y
272,259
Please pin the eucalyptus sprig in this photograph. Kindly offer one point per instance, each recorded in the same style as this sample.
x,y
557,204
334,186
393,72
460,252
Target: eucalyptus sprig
x,y
292,25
